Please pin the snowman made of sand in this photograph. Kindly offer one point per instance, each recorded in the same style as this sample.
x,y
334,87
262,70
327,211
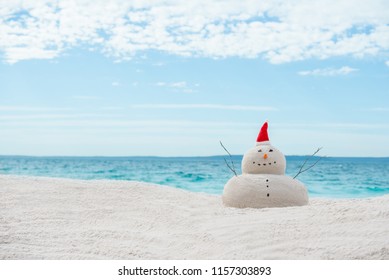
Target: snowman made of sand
x,y
263,182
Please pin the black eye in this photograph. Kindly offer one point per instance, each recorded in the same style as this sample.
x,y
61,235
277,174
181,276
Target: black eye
x,y
259,151
270,150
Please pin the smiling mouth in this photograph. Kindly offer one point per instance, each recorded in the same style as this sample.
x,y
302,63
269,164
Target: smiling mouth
x,y
264,164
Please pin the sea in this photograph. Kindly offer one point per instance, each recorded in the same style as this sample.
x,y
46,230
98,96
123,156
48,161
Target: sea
x,y
331,177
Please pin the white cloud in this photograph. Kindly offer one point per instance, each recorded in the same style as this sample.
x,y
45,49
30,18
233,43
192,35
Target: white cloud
x,y
31,109
345,70
204,106
15,54
338,126
182,84
387,63
179,86
277,30
115,84
44,117
104,123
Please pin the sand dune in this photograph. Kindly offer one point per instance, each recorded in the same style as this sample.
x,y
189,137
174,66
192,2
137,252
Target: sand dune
x,y
46,218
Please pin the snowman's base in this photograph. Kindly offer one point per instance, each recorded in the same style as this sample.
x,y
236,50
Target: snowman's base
x,y
264,190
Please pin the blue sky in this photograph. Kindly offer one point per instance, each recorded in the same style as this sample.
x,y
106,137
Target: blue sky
x,y
170,79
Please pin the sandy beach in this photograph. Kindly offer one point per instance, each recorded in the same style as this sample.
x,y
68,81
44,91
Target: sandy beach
x,y
48,218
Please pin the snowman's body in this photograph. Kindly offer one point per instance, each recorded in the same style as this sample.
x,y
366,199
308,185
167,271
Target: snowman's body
x,y
263,182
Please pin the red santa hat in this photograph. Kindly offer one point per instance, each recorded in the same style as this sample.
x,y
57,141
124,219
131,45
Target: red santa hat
x,y
263,138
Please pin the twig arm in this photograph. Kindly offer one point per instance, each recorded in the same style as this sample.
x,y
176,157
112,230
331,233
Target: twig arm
x,y
306,169
306,160
233,170
232,162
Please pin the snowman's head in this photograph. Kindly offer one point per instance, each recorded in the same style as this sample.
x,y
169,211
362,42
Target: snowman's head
x,y
264,158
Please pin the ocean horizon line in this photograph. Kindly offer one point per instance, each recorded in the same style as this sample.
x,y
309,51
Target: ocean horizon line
x,y
182,157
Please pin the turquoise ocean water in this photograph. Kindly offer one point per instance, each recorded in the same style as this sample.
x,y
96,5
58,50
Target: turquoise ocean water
x,y
331,177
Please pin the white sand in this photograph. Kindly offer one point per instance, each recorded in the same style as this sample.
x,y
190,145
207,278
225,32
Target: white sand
x,y
45,218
